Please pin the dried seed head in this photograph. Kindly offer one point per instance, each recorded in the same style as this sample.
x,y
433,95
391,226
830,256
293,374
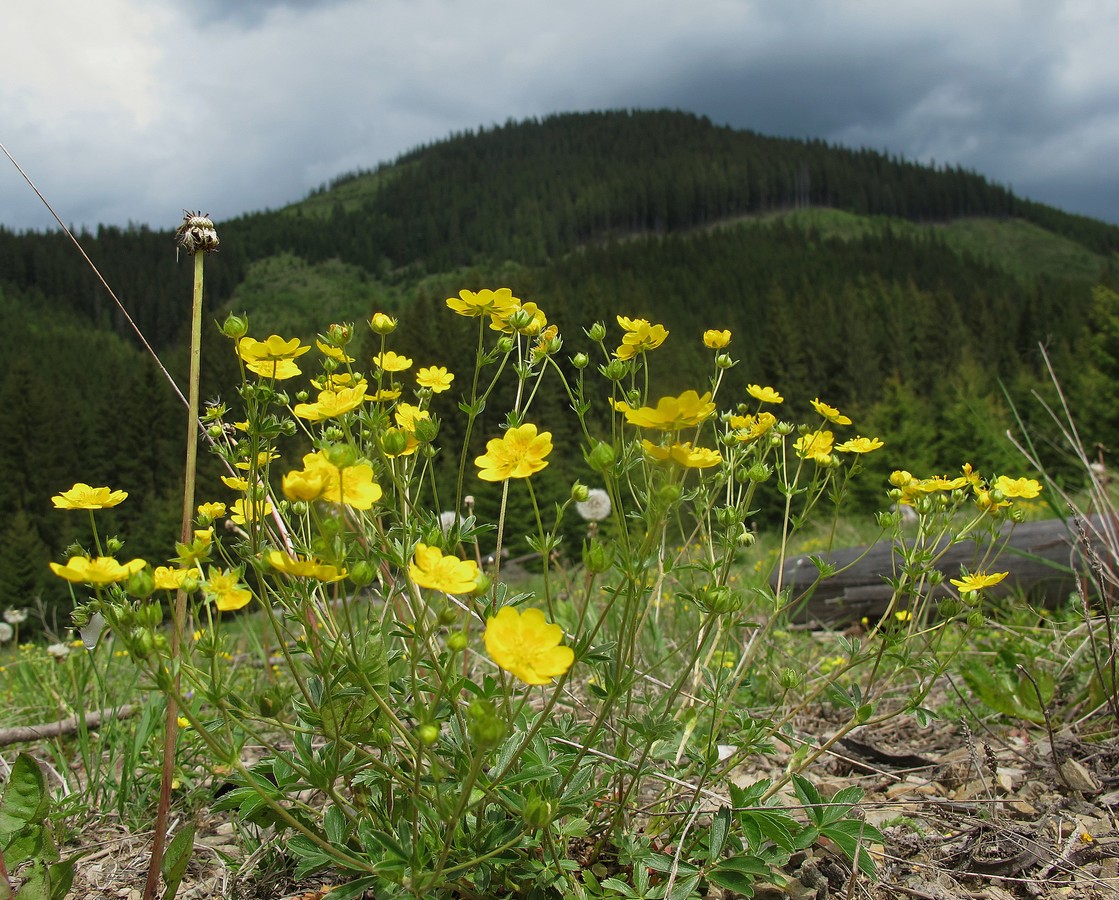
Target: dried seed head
x,y
197,233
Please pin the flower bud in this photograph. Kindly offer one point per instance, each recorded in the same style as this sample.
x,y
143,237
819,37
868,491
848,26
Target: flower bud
x,y
214,432
975,619
723,361
486,727
580,492
538,812
721,600
394,441
428,734
341,455
728,516
426,430
598,557
615,370
580,360
669,494
596,332
448,615
340,335
505,345
456,642
362,573
788,678
141,584
382,324
602,457
235,327
483,584
948,607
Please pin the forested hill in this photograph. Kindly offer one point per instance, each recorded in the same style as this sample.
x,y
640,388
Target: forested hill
x,y
528,192
913,297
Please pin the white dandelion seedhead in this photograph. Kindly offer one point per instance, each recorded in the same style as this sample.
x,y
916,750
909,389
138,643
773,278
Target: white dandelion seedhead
x,y
197,233
15,616
6,632
59,651
596,507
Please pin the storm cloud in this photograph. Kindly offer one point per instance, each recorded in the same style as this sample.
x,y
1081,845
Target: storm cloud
x,y
129,110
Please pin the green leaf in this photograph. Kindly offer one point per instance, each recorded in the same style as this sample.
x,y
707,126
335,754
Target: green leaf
x,y
852,836
720,829
36,885
175,861
25,796
740,874
810,797
353,889
334,824
61,878
27,844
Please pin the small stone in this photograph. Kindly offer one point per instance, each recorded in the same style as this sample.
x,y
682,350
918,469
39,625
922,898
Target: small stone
x,y
1078,778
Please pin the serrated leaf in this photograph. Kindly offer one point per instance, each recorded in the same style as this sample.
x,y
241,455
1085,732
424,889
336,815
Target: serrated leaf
x,y
175,861
25,796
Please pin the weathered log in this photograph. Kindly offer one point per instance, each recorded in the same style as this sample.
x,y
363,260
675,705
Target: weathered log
x,y
1041,557
20,734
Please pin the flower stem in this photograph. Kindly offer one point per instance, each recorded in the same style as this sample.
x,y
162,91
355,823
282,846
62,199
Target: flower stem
x,y
171,726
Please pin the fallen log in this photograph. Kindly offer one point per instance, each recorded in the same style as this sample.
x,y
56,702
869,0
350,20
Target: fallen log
x,y
21,734
1042,559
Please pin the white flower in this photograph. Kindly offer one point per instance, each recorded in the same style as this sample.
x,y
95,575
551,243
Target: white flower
x,y
6,632
15,616
448,520
596,507
59,651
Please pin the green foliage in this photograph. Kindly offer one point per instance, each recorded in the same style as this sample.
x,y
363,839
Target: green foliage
x,y
26,842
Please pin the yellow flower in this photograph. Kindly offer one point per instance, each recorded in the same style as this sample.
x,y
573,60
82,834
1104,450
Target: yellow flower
x,y
518,454
234,482
430,568
305,568
407,414
352,486
522,318
302,485
815,445
168,579
435,378
750,428
547,343
263,458
391,361
977,582
226,590
276,369
183,722
860,444
243,512
716,340
683,454
211,511
830,413
642,338
82,496
386,395
671,413
764,394
332,404
527,645
335,353
98,572
903,615
1026,488
272,358
484,303
382,324
274,349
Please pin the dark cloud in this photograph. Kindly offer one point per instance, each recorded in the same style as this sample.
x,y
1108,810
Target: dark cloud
x,y
245,105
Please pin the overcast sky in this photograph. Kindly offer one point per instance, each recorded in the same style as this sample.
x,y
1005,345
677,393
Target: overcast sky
x,y
129,110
